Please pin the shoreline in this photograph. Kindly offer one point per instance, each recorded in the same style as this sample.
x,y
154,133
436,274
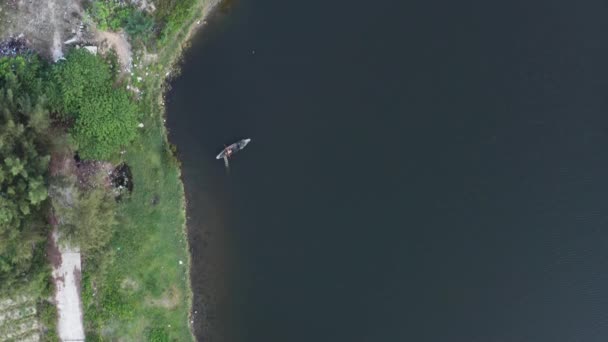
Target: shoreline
x,y
172,55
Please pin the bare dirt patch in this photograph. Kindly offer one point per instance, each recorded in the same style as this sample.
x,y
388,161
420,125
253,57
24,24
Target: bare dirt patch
x,y
117,41
92,173
45,24
52,250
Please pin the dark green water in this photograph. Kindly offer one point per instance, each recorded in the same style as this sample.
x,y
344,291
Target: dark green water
x,y
419,171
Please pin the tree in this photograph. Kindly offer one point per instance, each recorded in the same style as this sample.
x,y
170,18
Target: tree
x,y
23,165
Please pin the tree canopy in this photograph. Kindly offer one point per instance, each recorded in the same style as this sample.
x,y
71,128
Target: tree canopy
x,y
24,121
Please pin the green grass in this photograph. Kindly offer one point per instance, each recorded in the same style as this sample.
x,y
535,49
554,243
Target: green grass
x,y
143,265
137,290
124,289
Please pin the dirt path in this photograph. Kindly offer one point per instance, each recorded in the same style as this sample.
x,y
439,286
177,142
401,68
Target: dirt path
x,y
67,276
118,41
65,260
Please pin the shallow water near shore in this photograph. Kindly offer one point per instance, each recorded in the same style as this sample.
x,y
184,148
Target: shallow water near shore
x,y
417,172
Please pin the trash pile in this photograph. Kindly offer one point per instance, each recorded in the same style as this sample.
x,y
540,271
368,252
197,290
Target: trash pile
x,y
122,179
13,47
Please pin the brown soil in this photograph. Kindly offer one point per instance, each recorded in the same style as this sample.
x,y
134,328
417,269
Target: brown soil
x,y
118,42
62,164
46,24
52,250
94,173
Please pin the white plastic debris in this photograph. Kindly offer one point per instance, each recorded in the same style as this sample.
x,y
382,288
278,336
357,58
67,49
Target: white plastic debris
x,y
91,49
181,262
141,125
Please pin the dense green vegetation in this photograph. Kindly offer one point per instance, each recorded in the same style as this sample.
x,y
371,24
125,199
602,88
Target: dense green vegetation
x,y
143,27
113,15
88,216
105,117
140,277
24,158
101,118
135,275
138,289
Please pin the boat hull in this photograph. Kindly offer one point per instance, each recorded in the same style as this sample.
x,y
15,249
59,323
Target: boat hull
x,y
233,148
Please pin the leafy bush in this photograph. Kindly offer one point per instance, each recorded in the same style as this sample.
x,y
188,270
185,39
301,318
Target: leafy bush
x,y
139,26
171,14
105,117
77,80
105,124
109,14
47,313
158,335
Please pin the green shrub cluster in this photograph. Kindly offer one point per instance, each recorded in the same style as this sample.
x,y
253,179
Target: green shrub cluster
x,y
171,14
104,116
158,335
114,15
142,27
109,14
24,121
47,314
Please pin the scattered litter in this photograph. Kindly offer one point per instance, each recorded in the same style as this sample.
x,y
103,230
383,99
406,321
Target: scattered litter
x,y
14,46
141,125
181,262
91,49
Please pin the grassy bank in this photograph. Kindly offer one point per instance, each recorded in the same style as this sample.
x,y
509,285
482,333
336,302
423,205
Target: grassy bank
x,y
139,289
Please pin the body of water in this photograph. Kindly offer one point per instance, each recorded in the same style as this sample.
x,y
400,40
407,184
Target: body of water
x,y
418,171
